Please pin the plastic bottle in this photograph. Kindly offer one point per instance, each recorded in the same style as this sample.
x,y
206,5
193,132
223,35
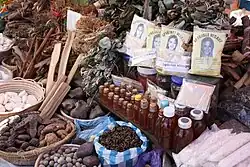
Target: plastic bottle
x,y
150,122
199,124
183,134
136,107
115,103
143,116
168,126
105,96
159,120
110,99
129,111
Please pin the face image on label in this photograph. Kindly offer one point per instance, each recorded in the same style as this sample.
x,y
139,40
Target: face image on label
x,y
172,43
154,38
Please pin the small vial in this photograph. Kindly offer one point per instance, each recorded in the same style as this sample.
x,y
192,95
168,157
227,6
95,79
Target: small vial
x,y
117,91
132,100
112,88
129,88
129,111
120,101
110,99
124,107
134,91
106,85
105,96
122,93
128,96
115,103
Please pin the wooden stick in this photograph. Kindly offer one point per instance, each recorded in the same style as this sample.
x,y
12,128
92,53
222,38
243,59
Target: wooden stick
x,y
54,60
241,82
37,52
60,79
55,101
65,53
74,68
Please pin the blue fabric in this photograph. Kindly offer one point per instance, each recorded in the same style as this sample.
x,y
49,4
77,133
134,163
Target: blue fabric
x,y
245,4
89,128
153,158
128,158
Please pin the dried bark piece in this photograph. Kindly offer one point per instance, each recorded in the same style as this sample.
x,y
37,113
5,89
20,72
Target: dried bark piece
x,y
237,56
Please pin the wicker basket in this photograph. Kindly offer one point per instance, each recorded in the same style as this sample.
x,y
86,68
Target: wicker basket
x,y
29,157
19,84
65,145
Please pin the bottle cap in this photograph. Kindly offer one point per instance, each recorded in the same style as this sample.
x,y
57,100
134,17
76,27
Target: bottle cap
x,y
164,103
144,104
138,97
105,90
133,97
168,112
196,114
152,107
146,71
112,86
129,105
106,84
122,90
177,80
179,106
116,97
110,95
117,89
184,122
134,91
101,88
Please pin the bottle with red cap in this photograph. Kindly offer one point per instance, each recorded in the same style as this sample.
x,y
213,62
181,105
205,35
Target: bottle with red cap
x,y
168,126
183,134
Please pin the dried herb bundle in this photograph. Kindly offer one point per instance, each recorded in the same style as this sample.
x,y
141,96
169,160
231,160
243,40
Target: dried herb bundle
x,y
120,138
97,66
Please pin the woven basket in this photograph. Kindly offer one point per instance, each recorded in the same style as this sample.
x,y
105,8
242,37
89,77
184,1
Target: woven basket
x,y
65,145
19,84
29,157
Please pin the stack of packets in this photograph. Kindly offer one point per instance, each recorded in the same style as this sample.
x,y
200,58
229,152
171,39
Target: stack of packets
x,y
157,47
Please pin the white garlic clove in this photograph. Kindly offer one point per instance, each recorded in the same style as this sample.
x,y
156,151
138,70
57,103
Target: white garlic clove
x,y
6,99
2,108
17,109
23,93
16,99
24,98
9,106
27,106
1,98
11,94
31,100
18,105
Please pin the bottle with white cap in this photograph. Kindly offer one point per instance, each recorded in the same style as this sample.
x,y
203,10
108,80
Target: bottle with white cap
x,y
183,134
168,126
199,124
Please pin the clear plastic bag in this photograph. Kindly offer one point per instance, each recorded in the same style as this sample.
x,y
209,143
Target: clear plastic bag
x,y
201,94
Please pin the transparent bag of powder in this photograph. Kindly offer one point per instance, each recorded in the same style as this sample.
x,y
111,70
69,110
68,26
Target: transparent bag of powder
x,y
195,94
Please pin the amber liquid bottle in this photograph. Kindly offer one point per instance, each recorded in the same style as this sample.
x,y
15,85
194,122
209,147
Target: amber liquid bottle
x,y
183,134
120,102
129,111
105,96
143,116
152,116
128,96
181,111
136,108
115,103
110,99
134,91
168,126
112,88
106,85
159,120
199,125
122,93
101,88
124,108
132,100
117,91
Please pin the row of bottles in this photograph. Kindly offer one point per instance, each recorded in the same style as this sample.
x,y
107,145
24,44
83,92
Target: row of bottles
x,y
173,126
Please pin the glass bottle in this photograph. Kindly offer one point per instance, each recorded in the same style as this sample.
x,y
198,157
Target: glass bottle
x,y
124,108
143,115
181,110
152,116
122,93
112,88
136,108
110,99
129,111
134,91
168,126
117,90
105,96
128,96
154,100
120,101
159,120
115,102
199,124
147,96
183,134
132,100
101,88
106,85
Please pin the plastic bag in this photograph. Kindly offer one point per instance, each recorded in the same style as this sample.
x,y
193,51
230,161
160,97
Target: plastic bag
x,y
201,95
143,57
207,50
153,158
128,158
87,130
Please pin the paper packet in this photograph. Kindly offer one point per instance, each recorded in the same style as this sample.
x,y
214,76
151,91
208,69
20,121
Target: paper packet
x,y
207,50
153,38
143,57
